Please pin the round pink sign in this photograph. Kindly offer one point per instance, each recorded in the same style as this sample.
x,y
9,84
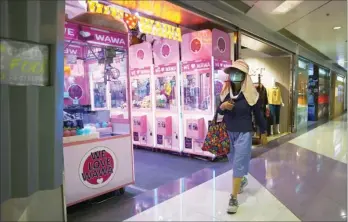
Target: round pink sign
x,y
140,54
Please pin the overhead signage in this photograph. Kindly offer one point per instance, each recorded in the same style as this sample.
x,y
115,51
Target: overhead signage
x,y
94,6
147,26
24,63
152,27
94,35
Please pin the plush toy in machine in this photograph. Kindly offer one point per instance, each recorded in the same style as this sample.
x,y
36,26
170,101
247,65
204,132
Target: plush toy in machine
x,y
146,102
161,100
168,88
124,106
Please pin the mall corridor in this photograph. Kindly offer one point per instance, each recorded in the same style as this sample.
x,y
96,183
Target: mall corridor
x,y
126,110
303,179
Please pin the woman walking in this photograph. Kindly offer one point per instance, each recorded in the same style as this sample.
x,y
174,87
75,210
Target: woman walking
x,y
239,99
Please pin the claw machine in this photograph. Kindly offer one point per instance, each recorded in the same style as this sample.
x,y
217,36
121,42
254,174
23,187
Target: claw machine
x,y
98,156
168,128
142,96
201,53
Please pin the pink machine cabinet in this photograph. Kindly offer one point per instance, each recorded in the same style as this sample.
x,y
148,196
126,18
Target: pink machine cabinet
x,y
142,98
87,83
203,54
167,107
140,129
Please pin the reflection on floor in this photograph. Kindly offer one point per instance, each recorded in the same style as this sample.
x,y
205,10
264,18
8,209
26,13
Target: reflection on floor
x,y
329,139
310,123
153,169
299,180
273,137
208,201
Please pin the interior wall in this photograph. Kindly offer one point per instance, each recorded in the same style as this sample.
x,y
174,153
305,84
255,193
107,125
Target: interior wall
x,y
31,119
280,69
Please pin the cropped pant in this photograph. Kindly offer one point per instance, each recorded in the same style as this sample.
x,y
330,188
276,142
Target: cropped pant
x,y
240,152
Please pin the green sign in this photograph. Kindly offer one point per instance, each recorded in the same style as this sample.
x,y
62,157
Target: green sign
x,y
23,63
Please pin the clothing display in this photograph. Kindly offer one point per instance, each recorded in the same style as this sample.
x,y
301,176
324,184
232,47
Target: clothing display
x,y
262,97
274,95
275,113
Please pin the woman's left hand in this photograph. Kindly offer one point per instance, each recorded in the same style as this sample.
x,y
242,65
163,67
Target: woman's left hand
x,y
264,139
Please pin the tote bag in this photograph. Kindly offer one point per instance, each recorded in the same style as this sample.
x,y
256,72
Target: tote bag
x,y
217,140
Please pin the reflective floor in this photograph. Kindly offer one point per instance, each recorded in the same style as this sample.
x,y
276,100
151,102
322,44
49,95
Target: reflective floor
x,y
302,179
329,140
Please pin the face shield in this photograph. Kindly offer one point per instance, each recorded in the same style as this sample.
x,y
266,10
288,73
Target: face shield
x,y
237,76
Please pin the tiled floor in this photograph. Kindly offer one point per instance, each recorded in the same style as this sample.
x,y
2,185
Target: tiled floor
x,y
303,179
329,140
207,202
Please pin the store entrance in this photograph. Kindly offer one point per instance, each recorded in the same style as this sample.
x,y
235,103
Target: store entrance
x,y
312,90
156,89
270,70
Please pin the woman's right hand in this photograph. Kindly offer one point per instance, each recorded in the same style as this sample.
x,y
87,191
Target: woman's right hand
x,y
227,105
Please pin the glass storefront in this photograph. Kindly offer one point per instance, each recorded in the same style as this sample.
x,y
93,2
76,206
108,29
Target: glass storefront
x,y
324,92
303,71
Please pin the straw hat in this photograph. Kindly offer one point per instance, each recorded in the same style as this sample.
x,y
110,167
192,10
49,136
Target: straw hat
x,y
240,64
249,91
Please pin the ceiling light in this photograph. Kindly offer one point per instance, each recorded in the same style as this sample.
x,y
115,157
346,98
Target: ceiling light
x,y
286,6
337,27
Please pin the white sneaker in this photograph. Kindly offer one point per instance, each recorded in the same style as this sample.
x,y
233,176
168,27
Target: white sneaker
x,y
232,206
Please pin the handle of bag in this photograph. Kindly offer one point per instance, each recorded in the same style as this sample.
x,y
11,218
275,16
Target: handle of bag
x,y
216,113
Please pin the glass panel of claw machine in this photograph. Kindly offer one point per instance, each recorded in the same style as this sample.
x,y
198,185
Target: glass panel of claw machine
x,y
98,84
118,84
165,86
141,93
197,92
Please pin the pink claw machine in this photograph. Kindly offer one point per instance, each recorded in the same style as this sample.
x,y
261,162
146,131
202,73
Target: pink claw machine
x,y
168,124
203,54
98,155
142,96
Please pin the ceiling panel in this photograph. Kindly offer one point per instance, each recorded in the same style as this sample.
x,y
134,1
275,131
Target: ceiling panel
x,y
260,47
250,2
262,12
317,30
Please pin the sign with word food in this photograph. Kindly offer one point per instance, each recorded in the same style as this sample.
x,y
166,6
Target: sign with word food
x,y
23,63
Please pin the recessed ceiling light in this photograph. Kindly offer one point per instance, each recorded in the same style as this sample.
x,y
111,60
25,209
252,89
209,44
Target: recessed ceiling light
x,y
286,6
337,27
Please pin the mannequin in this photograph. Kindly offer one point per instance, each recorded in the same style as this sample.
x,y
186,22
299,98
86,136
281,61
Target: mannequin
x,y
274,102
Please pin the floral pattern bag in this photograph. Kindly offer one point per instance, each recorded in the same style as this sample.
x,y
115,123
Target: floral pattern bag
x,y
217,140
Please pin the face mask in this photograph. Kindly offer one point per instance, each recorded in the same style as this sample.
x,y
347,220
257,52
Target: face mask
x,y
237,76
